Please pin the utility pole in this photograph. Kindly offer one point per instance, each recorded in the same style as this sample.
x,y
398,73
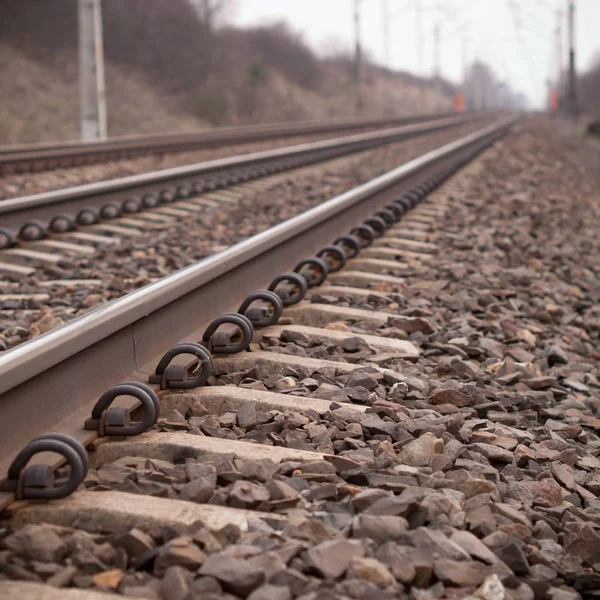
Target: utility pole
x,y
386,33
91,71
436,64
572,80
559,66
419,14
465,67
357,58
419,32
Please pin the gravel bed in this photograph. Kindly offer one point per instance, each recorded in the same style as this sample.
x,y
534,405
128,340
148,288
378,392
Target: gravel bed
x,y
25,184
475,477
135,262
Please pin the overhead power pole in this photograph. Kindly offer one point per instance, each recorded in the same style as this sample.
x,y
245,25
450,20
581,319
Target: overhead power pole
x,y
572,77
419,32
436,65
559,54
465,67
357,58
386,33
91,71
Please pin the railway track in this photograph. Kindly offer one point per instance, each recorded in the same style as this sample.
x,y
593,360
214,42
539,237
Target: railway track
x,y
334,444
261,481
75,213
42,157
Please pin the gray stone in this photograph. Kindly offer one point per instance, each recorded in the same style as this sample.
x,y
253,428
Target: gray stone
x,y
134,542
555,355
196,470
291,579
331,559
379,528
512,555
37,542
398,561
270,592
176,584
198,490
419,452
361,379
246,416
492,453
247,494
461,573
373,571
236,576
449,395
583,541
180,551
474,546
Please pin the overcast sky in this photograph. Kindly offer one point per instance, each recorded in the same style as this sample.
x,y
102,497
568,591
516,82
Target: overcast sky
x,y
517,37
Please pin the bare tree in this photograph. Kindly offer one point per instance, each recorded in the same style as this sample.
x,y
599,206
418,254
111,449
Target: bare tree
x,y
212,12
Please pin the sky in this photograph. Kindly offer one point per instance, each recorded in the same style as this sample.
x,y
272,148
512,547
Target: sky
x,y
516,37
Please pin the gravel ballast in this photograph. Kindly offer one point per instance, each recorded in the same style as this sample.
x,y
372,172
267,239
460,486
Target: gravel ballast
x,y
472,473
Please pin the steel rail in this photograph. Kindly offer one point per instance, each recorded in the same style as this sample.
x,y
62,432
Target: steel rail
x,y
44,156
50,383
43,207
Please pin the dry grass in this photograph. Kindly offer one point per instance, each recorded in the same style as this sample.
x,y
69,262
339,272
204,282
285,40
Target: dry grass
x,y
166,71
40,102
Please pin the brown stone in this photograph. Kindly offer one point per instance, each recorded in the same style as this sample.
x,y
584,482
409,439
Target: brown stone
x,y
548,493
332,558
236,576
419,452
37,542
370,569
583,541
462,573
450,396
110,579
338,326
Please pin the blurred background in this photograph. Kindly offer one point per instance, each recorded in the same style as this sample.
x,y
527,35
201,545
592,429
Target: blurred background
x,y
178,65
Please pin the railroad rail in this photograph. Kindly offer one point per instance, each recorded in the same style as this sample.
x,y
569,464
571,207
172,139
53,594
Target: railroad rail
x,y
41,157
32,218
119,340
52,384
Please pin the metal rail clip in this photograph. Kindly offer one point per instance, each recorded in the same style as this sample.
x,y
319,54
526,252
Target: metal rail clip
x,y
365,235
334,256
262,316
289,294
38,481
317,272
350,244
116,421
170,376
220,342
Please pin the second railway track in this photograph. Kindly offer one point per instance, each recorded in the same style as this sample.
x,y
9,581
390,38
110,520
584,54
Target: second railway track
x,y
34,217
41,157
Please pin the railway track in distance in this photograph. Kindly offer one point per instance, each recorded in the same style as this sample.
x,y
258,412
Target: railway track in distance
x,y
32,158
33,218
175,346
